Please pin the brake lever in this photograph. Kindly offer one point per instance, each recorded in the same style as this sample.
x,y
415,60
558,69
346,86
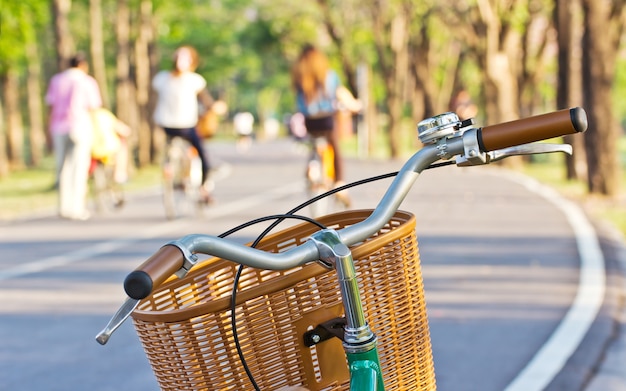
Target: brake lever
x,y
116,321
473,158
529,149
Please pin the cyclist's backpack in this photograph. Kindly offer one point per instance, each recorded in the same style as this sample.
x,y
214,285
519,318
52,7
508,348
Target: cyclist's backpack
x,y
325,104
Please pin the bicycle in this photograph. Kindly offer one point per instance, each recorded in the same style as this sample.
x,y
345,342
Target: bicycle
x,y
320,177
182,179
106,192
298,307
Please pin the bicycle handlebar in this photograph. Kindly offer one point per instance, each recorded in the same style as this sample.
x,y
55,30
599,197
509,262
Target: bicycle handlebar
x,y
153,272
171,258
537,128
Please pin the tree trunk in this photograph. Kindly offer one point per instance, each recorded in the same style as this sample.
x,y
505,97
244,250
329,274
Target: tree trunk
x,y
422,74
123,85
501,57
600,48
391,42
62,35
37,135
126,100
568,89
349,68
4,161
97,49
14,130
143,76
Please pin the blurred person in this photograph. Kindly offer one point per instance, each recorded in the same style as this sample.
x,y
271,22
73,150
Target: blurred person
x,y
243,122
179,91
319,93
271,128
296,126
72,95
110,144
463,106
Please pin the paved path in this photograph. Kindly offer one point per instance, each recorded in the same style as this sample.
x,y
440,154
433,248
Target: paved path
x,y
501,267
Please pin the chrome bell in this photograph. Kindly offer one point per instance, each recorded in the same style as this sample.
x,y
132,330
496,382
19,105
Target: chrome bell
x,y
431,130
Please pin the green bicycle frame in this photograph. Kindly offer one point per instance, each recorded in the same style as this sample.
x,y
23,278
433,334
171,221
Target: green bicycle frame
x,y
365,371
360,343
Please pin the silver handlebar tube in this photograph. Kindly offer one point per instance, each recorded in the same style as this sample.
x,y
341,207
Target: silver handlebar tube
x,y
399,188
252,257
308,252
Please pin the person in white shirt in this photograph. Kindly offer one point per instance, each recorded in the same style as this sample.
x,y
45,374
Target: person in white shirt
x,y
179,91
243,123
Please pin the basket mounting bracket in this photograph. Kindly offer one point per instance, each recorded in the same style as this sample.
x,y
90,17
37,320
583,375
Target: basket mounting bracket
x,y
325,331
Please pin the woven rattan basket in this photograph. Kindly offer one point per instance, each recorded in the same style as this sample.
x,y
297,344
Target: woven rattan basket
x,y
185,325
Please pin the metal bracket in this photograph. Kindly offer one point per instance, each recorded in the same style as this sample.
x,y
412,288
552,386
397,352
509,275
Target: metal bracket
x,y
472,155
325,331
190,259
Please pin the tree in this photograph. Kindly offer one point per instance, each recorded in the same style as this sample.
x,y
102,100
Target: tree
x,y
604,23
435,60
37,131
568,25
143,75
96,48
4,162
63,37
390,35
15,129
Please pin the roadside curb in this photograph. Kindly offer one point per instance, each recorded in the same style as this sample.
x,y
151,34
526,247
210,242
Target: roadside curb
x,y
610,373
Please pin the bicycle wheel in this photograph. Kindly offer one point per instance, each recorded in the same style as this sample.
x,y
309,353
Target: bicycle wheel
x,y
320,177
316,184
106,193
182,180
174,179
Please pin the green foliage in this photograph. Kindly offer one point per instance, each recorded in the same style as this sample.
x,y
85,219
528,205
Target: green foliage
x,y
619,91
20,22
241,48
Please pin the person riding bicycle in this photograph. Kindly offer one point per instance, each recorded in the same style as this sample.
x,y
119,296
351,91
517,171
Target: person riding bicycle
x,y
319,94
179,91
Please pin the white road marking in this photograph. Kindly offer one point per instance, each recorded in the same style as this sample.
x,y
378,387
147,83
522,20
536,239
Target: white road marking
x,y
566,338
154,231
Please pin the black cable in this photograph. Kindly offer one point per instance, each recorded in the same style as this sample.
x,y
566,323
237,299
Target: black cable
x,y
233,298
267,218
277,220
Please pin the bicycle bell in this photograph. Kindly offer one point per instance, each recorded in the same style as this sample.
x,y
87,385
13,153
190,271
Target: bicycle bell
x,y
431,130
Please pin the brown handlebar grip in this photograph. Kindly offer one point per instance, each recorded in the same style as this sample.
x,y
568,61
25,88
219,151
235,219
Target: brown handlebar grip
x,y
537,128
153,272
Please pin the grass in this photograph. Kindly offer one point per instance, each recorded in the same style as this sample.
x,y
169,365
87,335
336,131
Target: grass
x,y
31,191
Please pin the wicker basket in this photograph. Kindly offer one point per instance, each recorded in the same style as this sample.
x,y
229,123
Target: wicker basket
x,y
185,325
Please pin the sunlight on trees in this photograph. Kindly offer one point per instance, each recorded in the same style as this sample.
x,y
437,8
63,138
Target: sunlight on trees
x,y
418,55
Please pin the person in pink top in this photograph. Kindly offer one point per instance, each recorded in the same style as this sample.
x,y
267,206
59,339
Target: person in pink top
x,y
72,94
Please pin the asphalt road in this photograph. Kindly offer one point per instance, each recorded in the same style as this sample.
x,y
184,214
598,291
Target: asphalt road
x,y
501,265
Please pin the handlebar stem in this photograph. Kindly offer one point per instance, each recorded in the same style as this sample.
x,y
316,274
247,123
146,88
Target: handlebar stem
x,y
358,337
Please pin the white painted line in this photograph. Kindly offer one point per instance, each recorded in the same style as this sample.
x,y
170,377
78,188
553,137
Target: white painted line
x,y
566,338
154,231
